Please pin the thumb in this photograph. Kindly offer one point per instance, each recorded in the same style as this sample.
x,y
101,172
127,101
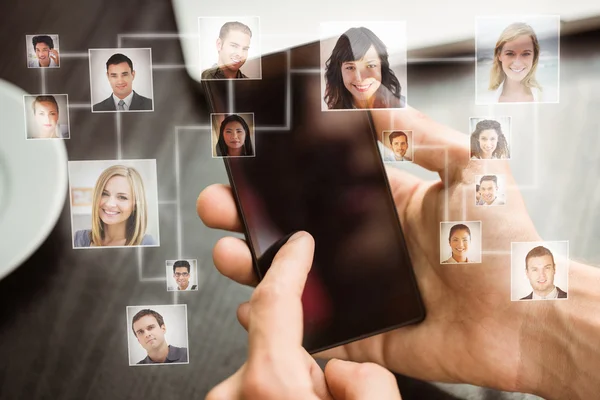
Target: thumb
x,y
348,380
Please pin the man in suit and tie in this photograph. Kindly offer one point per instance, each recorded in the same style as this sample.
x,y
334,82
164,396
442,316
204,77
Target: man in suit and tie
x,y
120,74
540,269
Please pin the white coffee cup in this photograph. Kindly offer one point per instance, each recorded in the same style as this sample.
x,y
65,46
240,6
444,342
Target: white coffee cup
x,y
33,182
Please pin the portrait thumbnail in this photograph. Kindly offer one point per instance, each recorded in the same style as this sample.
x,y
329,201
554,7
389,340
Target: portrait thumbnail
x,y
157,335
490,190
42,51
47,116
517,59
121,80
490,138
114,203
460,242
232,135
396,146
182,275
229,48
363,65
539,270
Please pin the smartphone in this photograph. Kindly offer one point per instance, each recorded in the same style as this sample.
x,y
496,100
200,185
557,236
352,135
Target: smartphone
x,y
320,171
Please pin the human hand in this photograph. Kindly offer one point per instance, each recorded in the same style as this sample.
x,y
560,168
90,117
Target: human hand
x,y
278,367
55,56
472,332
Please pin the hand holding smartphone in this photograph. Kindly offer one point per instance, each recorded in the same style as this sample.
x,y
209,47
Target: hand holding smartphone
x,y
320,172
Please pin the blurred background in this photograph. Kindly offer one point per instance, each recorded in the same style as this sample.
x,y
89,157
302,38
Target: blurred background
x,y
63,313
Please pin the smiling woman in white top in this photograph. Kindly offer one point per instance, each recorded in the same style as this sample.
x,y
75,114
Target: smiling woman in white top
x,y
516,56
459,239
119,211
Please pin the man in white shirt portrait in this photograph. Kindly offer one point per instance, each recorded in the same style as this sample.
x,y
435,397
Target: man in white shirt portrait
x,y
488,189
540,270
46,56
399,143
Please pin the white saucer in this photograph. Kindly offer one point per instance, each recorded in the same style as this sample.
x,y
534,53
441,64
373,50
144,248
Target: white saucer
x,y
33,183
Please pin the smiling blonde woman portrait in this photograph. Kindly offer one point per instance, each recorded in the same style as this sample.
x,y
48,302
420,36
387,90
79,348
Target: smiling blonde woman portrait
x,y
516,58
119,211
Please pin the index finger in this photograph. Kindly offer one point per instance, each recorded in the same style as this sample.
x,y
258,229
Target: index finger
x,y
275,322
216,208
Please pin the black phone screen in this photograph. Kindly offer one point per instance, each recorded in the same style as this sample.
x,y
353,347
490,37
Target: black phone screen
x,y
320,171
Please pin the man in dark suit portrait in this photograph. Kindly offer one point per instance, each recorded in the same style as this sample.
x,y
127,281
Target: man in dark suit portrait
x,y
540,269
120,74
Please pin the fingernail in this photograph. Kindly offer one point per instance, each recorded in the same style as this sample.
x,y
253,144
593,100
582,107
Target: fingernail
x,y
296,236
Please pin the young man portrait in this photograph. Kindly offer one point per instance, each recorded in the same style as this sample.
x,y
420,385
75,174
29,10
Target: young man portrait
x,y
232,47
149,329
540,269
46,56
399,143
182,276
488,192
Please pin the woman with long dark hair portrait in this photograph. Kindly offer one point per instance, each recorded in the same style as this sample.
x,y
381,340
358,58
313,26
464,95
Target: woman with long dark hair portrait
x,y
358,74
234,138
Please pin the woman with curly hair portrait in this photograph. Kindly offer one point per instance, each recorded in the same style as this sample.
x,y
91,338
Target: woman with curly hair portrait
x,y
488,142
